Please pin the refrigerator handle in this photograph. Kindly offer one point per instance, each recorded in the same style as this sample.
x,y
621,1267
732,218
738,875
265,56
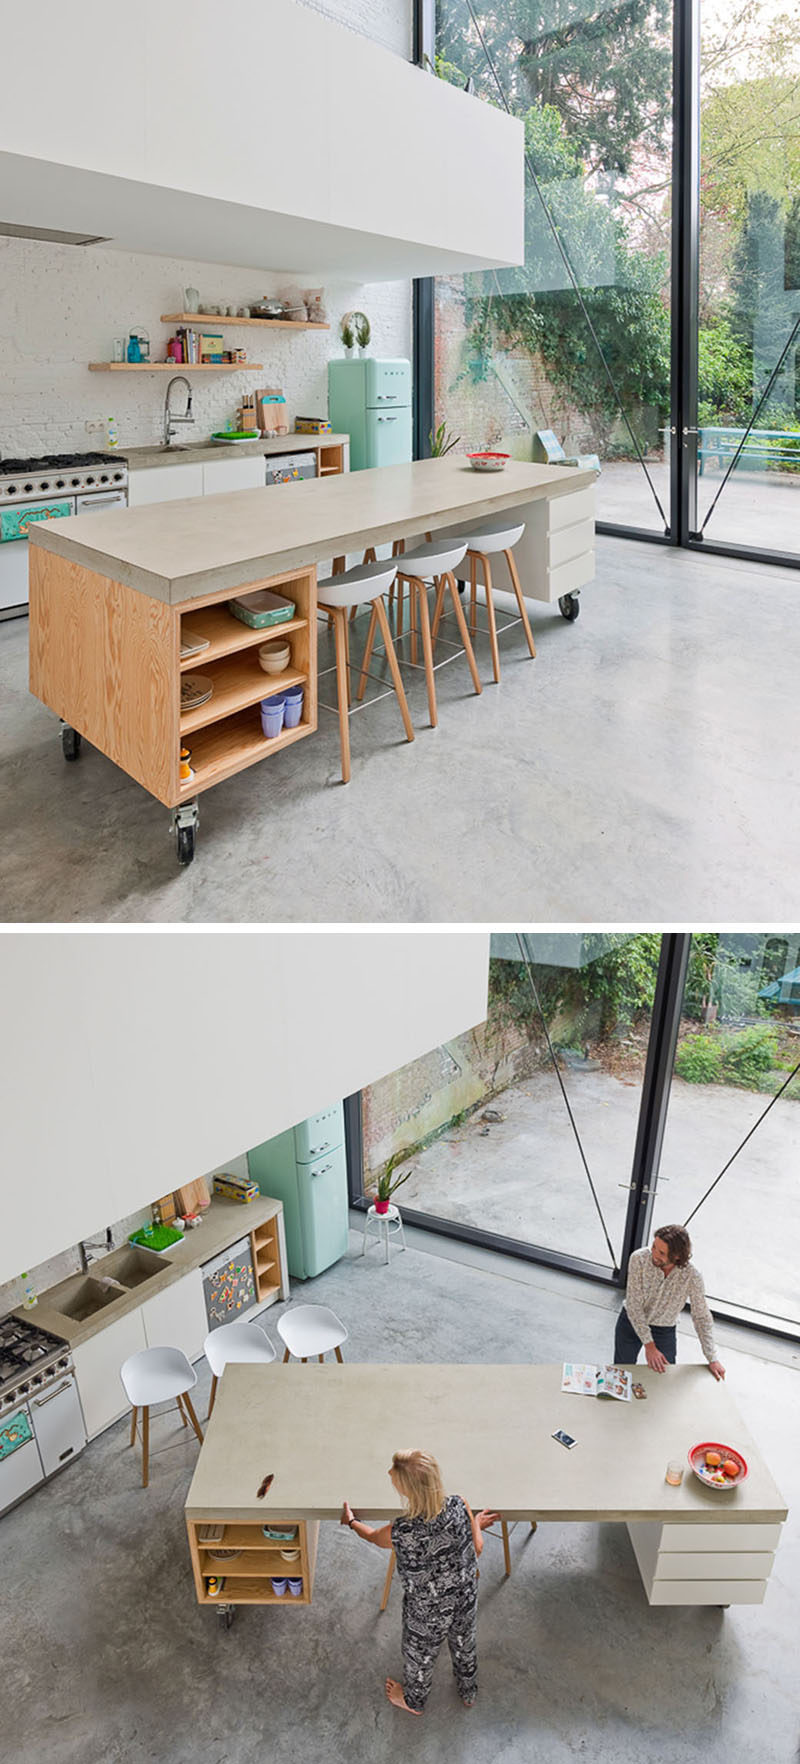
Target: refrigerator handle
x,y
387,419
323,1171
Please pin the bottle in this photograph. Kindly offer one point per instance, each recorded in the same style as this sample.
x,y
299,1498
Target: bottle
x,y
29,1298
111,436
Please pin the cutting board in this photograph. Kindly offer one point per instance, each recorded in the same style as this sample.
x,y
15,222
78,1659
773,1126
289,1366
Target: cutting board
x,y
165,1209
192,1196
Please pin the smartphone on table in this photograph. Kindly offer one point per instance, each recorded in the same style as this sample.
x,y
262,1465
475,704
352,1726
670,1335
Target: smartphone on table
x,y
564,1439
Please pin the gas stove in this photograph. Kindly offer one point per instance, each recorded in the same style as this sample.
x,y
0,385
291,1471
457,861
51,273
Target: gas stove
x,y
30,1358
65,474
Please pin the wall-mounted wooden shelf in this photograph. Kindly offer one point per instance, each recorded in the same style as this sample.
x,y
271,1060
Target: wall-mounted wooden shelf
x,y
175,367
220,319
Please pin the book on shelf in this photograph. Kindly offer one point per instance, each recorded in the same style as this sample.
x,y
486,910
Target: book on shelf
x,y
605,1381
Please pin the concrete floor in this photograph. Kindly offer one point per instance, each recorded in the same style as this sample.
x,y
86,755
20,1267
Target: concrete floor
x,y
107,1657
522,1177
640,770
758,509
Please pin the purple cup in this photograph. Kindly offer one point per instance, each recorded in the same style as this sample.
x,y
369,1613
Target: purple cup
x,y
295,1587
293,707
272,714
279,1588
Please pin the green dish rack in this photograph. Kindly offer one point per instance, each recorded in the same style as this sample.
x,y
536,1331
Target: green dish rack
x,y
156,1237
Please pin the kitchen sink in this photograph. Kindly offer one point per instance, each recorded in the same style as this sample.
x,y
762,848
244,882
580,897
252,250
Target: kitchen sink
x,y
170,448
82,1297
130,1265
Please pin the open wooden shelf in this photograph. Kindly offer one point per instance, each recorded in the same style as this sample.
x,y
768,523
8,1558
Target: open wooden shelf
x,y
227,635
221,749
218,320
249,1537
239,681
254,1564
175,367
266,1257
248,1578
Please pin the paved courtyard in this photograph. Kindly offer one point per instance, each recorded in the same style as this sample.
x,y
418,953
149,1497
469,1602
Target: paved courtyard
x,y
523,1177
756,508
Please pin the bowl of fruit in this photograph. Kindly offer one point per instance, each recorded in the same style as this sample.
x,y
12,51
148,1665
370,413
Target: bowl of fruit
x,y
718,1466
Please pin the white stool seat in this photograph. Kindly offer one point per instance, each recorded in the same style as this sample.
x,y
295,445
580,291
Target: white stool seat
x,y
432,560
490,538
155,1375
364,582
236,1344
311,1330
385,1225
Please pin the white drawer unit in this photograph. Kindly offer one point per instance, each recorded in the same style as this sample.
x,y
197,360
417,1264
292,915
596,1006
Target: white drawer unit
x,y
97,1364
222,475
168,483
555,555
177,1316
704,1564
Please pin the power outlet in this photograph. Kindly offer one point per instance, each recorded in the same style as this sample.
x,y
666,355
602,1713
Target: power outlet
x,y
94,426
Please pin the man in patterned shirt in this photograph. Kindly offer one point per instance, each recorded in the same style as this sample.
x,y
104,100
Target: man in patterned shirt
x,y
660,1281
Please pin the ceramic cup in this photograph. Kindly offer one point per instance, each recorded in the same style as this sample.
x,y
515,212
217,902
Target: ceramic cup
x,y
295,1588
279,1588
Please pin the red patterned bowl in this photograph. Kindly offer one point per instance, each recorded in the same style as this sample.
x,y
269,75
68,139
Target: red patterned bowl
x,y
488,462
713,1477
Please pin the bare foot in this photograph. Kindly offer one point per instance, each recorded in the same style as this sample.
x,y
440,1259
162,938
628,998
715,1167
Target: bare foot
x,y
394,1692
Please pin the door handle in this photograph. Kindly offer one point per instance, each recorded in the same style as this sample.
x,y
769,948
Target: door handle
x,y
385,419
316,1151
322,1172
39,1402
690,431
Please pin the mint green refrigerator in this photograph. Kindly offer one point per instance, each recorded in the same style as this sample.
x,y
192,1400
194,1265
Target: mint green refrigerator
x,y
370,400
306,1169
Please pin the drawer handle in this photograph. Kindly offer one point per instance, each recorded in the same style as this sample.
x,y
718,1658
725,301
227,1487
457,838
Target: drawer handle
x,y
39,1402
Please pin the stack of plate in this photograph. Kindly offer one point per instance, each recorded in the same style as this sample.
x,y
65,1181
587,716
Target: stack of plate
x,y
192,643
196,689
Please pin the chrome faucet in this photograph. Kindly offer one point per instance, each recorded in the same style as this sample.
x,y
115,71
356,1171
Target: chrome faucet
x,y
169,419
86,1249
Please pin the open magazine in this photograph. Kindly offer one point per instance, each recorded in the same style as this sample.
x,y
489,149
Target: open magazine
x,y
608,1381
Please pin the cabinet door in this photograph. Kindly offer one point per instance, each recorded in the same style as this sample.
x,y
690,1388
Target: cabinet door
x,y
220,475
177,1316
97,1364
165,483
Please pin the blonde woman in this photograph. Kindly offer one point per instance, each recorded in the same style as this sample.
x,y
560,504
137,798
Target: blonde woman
x,y
436,1544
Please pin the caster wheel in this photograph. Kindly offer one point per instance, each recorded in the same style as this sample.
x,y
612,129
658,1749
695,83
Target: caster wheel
x,y
225,1616
569,607
70,742
185,841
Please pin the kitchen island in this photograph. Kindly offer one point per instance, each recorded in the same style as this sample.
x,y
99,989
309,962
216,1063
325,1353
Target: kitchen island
x,y
113,597
693,1545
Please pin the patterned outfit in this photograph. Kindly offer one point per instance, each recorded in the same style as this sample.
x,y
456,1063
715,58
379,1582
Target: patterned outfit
x,y
654,1301
438,1568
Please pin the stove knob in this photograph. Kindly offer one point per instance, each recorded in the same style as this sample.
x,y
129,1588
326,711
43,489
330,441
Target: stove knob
x,y
104,477
59,483
75,483
90,480
12,490
45,485
23,1389
39,1379
63,1365
27,488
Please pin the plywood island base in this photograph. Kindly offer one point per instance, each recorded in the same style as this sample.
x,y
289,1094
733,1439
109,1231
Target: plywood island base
x,y
106,658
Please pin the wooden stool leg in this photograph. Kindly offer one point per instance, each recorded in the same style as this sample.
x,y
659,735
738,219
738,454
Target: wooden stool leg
x,y
369,555
389,1573
487,578
338,1353
303,1360
285,1357
339,618
134,1413
380,611
338,565
362,680
523,611
427,647
438,608
462,625
473,592
346,630
192,1416
506,1550
182,1413
145,1445
321,1358
415,590
213,1393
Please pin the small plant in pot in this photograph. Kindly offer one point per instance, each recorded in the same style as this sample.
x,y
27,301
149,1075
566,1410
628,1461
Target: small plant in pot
x,y
387,1183
347,334
363,332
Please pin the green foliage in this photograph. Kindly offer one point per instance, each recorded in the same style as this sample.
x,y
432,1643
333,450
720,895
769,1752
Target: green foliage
x,y
699,1060
725,373
363,330
346,333
387,1182
700,973
622,979
748,1054
441,442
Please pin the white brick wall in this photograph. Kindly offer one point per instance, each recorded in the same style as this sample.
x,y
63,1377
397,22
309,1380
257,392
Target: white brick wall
x,y
62,306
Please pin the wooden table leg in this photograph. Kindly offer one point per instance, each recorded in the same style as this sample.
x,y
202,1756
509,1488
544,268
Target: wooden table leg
x,y
506,1550
389,1573
192,1416
145,1445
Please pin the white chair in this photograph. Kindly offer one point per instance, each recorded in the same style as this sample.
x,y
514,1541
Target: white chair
x,y
388,1224
234,1344
311,1330
489,540
437,562
156,1375
337,593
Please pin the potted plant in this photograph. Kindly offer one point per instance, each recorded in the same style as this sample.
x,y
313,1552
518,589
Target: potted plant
x,y
346,334
441,442
387,1182
363,332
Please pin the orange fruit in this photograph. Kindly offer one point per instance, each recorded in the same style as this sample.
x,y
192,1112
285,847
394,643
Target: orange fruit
x,y
713,1459
730,1467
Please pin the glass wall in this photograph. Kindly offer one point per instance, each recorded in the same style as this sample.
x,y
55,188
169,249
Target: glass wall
x,y
524,1128
575,345
739,1043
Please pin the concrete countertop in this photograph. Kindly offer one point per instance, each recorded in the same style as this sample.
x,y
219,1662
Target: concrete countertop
x,y
142,458
224,1222
179,551
327,1433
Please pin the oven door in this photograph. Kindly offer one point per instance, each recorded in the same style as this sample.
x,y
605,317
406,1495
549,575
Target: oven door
x,y
97,501
58,1420
20,1463
14,524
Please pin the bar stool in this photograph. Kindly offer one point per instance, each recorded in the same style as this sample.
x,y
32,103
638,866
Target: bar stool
x,y
489,540
311,1330
437,560
367,582
155,1375
388,1224
234,1344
